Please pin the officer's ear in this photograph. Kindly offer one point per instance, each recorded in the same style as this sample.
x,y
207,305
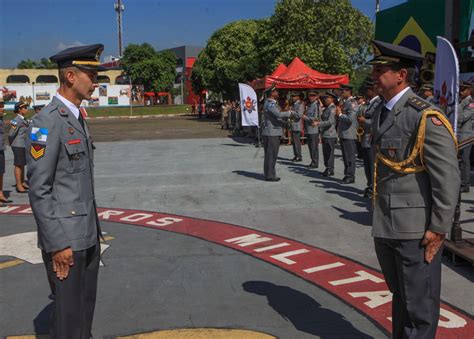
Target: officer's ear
x,y
67,75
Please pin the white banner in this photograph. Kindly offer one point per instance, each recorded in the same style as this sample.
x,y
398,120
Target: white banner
x,y
248,105
446,83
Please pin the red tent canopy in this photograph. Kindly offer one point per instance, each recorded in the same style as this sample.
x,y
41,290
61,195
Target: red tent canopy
x,y
299,75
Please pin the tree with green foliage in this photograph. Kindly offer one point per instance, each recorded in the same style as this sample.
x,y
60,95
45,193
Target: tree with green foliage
x,y
44,63
330,36
156,71
231,56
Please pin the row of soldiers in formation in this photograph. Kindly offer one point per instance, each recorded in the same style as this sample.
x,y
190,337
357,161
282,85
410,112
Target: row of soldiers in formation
x,y
330,116
17,136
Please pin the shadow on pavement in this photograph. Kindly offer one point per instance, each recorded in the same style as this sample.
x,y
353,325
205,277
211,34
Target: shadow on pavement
x,y
362,218
42,320
252,175
305,313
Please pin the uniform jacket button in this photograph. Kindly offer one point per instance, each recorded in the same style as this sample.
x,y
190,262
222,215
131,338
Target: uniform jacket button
x,y
73,212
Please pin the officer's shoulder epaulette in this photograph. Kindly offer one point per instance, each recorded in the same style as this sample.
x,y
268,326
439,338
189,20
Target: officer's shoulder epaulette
x,y
418,103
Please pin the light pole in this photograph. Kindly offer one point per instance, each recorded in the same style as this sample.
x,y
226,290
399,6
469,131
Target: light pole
x,y
182,88
119,8
33,88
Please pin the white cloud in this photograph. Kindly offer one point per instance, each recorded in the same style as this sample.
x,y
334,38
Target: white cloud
x,y
63,45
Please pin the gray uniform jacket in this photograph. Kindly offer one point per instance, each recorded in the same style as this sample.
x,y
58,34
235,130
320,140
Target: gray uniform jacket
x,y
327,126
298,108
465,117
369,112
273,118
409,204
2,135
18,131
60,173
347,123
312,114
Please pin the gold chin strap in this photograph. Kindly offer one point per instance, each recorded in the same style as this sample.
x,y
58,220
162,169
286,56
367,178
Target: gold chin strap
x,y
409,166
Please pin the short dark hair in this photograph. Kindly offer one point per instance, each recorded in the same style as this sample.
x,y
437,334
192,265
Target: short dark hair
x,y
411,72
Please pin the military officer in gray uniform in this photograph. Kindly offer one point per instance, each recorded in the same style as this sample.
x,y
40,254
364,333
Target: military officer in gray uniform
x,y
327,128
347,126
415,192
3,198
465,117
296,128
273,122
60,161
427,93
17,140
313,114
366,143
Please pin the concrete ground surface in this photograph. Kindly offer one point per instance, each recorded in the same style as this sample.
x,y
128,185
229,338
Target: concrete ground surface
x,y
221,179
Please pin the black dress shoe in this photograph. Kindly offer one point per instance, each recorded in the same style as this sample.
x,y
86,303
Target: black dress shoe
x,y
347,181
272,179
299,160
312,166
5,201
18,191
327,173
294,159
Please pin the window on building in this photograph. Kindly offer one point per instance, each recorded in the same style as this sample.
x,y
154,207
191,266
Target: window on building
x,y
47,79
121,80
103,79
18,79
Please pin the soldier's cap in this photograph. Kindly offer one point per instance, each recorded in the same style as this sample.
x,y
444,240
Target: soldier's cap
x,y
271,89
312,93
20,105
388,54
427,87
346,87
297,94
368,82
35,107
87,57
464,84
332,95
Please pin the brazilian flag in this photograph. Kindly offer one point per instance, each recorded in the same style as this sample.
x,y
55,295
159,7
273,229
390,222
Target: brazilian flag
x,y
416,23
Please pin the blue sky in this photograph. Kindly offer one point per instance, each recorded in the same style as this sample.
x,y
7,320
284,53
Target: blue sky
x,y
40,28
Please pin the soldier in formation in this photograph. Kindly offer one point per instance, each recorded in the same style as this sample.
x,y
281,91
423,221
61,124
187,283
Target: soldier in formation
x,y
17,139
347,125
273,123
299,108
465,118
313,114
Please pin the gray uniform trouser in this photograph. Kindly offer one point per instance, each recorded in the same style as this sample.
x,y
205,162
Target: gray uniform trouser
x,y
368,157
271,146
296,143
465,166
74,297
328,152
313,146
349,149
415,284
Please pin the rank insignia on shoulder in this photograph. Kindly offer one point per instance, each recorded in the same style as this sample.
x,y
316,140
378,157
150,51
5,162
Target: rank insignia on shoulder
x,y
418,103
436,121
39,134
14,123
37,151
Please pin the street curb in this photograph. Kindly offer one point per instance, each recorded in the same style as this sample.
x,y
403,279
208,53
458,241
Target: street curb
x,y
131,116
